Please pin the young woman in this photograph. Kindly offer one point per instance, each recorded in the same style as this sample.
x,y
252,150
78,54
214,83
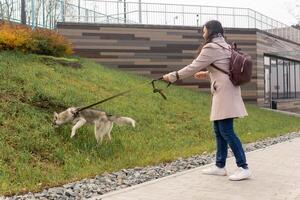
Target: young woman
x,y
227,102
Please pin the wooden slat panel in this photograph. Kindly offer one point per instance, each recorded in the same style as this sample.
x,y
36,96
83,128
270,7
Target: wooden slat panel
x,y
155,50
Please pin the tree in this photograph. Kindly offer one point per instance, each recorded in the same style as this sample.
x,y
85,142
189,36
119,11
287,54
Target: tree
x,y
6,9
23,12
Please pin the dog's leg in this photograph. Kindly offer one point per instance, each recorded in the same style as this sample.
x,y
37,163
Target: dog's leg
x,y
110,128
106,128
96,135
79,124
103,130
99,131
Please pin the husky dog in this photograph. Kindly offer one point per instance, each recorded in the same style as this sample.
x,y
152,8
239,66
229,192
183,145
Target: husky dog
x,y
102,121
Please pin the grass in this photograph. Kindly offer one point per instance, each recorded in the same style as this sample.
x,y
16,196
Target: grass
x,y
33,155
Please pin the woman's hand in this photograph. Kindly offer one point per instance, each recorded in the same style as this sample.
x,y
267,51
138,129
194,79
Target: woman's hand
x,y
166,78
201,75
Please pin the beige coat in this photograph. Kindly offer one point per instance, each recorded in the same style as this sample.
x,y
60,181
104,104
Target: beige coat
x,y
226,98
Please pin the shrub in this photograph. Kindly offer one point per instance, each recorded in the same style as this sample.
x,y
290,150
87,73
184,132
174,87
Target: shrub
x,y
48,42
38,41
14,37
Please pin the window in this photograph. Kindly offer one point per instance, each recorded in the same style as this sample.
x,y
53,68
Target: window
x,y
297,73
266,60
285,91
282,78
292,81
267,78
274,79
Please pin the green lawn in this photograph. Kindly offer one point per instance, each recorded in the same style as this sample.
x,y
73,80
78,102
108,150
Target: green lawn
x,y
33,155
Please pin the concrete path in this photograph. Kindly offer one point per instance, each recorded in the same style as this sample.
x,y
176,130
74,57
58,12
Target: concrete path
x,y
276,176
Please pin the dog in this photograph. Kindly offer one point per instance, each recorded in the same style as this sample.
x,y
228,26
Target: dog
x,y
103,122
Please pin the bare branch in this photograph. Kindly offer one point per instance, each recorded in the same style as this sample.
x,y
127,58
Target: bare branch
x,y
8,7
1,11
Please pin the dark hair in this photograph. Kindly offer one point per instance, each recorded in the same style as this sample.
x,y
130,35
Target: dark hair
x,y
214,29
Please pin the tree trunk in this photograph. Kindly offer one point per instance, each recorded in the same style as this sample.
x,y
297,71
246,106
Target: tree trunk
x,y
23,12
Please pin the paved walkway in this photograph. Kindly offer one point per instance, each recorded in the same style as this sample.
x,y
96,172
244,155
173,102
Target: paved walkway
x,y
276,176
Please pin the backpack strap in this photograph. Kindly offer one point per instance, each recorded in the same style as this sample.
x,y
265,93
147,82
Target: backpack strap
x,y
218,68
229,49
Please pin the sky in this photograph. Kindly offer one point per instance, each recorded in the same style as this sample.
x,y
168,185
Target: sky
x,y
277,9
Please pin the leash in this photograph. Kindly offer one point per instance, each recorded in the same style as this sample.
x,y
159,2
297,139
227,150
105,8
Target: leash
x,y
155,90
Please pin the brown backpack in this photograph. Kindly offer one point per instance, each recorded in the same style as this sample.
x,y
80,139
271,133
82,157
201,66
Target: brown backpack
x,y
240,66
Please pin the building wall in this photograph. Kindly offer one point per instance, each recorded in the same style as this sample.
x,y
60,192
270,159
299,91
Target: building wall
x,y
152,50
289,105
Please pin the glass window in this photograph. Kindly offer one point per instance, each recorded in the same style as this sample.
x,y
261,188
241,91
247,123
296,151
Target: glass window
x,y
280,81
273,61
267,60
267,84
284,79
274,79
286,88
297,72
292,80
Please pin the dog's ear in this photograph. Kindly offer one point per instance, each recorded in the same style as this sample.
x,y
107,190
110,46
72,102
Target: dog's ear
x,y
55,114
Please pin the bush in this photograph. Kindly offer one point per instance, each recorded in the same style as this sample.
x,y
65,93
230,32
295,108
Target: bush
x,y
14,37
48,42
38,41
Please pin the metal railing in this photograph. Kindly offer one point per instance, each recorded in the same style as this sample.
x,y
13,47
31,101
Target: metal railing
x,y
39,13
49,12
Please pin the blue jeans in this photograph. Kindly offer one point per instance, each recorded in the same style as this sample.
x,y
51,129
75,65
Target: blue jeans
x,y
225,136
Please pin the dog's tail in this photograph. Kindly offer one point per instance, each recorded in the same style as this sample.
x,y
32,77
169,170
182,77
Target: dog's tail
x,y
122,120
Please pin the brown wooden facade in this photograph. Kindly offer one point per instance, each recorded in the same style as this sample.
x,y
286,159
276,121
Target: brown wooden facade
x,y
153,50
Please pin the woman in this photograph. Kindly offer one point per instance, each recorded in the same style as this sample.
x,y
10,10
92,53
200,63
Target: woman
x,y
227,102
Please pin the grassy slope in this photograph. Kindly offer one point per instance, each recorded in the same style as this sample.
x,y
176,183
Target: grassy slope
x,y
33,155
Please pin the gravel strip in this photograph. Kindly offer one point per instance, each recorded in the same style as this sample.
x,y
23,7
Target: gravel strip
x,y
108,182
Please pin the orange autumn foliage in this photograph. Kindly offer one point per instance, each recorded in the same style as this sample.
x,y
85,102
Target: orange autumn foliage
x,y
38,41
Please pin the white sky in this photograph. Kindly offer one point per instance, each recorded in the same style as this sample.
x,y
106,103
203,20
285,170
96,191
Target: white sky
x,y
277,9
